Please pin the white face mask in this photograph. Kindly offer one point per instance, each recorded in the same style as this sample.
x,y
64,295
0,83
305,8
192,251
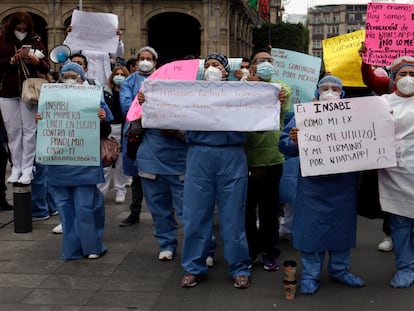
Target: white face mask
x,y
70,81
145,65
245,72
329,94
212,74
20,35
406,85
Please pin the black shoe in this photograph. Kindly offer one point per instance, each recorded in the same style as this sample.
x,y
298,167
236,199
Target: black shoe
x,y
5,206
130,220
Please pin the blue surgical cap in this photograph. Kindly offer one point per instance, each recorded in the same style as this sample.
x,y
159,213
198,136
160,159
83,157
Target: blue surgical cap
x,y
72,66
329,80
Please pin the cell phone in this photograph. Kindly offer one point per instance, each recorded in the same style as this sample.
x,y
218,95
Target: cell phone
x,y
24,51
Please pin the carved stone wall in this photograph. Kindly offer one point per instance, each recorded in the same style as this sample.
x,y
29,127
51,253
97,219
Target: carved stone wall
x,y
175,27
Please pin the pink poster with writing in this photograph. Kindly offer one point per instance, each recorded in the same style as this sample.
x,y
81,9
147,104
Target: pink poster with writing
x,y
389,32
177,70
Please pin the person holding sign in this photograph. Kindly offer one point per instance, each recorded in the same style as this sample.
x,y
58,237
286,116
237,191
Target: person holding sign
x,y
147,61
325,214
216,172
79,201
395,183
265,164
19,117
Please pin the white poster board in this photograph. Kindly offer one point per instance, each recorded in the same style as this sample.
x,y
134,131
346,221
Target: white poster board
x,y
211,106
345,135
93,31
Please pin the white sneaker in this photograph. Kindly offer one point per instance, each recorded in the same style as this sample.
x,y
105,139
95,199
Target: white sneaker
x,y
129,182
25,179
210,261
386,245
14,177
58,229
166,255
93,256
120,198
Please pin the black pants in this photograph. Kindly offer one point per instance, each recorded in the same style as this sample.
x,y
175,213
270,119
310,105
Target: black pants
x,y
137,196
263,200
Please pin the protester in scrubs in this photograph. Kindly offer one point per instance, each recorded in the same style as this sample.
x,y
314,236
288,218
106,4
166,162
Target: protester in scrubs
x,y
216,172
395,183
80,203
147,62
325,215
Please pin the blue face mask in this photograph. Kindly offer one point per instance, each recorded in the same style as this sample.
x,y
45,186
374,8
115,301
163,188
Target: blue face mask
x,y
118,79
265,71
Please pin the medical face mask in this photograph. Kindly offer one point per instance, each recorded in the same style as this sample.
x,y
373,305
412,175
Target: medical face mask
x,y
212,74
20,35
118,79
145,65
70,81
245,72
406,85
265,71
329,94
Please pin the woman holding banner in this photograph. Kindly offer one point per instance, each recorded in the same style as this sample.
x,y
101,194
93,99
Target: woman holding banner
x,y
74,188
395,183
325,214
216,171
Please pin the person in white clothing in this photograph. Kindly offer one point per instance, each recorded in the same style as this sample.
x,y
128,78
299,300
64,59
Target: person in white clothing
x,y
111,95
395,183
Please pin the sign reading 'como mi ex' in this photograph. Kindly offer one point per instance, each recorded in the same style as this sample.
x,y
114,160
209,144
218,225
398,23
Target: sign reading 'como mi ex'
x,y
345,135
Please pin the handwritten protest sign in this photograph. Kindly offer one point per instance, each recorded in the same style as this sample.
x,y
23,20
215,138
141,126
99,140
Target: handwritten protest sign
x,y
177,70
68,133
300,71
345,135
211,106
341,58
389,32
93,31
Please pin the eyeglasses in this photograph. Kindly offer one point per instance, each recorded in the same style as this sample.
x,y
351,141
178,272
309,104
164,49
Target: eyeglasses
x,y
263,60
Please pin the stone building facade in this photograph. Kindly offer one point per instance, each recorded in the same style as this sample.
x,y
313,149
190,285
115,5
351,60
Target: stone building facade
x,y
174,28
326,21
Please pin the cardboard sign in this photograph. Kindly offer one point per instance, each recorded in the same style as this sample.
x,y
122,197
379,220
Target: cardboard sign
x,y
68,133
211,106
389,32
345,135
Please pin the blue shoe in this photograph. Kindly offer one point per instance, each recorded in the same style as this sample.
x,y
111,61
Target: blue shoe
x,y
349,279
308,286
402,279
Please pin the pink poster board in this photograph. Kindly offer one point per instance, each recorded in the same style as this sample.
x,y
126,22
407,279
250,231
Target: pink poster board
x,y
389,32
177,70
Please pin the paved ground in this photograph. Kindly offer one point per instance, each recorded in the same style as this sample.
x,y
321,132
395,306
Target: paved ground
x,y
129,276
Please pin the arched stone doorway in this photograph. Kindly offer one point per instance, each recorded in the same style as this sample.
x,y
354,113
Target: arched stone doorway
x,y
174,36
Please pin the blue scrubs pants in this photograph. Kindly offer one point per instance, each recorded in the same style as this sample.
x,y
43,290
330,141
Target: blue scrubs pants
x,y
82,212
215,174
163,196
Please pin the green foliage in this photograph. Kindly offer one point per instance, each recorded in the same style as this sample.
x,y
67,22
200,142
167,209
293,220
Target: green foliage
x,y
294,37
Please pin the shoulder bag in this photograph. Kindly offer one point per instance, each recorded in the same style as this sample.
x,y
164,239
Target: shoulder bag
x,y
31,86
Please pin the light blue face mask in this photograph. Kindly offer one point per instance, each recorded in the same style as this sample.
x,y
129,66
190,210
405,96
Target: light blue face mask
x,y
118,79
265,71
